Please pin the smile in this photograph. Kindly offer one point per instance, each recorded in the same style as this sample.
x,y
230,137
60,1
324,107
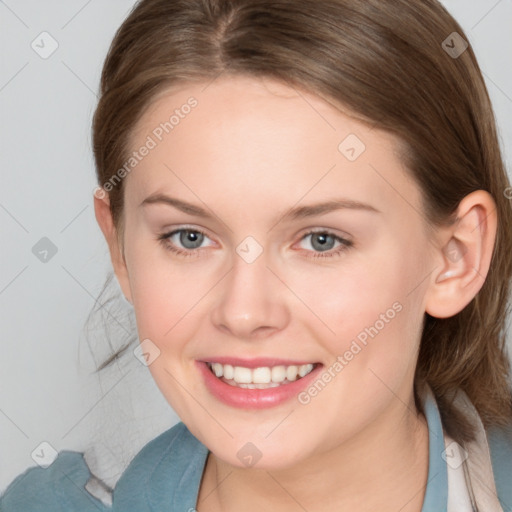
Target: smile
x,y
257,383
259,378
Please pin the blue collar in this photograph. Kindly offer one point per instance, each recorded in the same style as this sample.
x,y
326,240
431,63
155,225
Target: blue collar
x,y
436,494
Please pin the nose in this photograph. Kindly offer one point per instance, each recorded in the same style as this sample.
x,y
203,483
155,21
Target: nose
x,y
251,301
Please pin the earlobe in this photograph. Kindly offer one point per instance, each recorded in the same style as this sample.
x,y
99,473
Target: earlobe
x,y
464,256
106,224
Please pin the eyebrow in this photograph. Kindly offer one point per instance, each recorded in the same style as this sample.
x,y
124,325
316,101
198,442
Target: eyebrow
x,y
296,213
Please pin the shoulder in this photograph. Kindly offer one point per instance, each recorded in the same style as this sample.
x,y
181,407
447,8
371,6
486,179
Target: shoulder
x,y
500,447
166,471
58,487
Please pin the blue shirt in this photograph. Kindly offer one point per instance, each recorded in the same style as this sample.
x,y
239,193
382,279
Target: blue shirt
x,y
165,476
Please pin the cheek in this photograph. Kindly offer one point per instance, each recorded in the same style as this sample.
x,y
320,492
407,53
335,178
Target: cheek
x,y
168,308
164,290
351,298
371,314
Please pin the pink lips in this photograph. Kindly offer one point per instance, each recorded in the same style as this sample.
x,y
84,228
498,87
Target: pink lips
x,y
254,398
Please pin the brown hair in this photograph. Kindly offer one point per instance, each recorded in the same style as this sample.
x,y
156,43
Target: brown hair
x,y
384,60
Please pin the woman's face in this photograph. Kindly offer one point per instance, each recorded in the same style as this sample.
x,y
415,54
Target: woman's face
x,y
253,287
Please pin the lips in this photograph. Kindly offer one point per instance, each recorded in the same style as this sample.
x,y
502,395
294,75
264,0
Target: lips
x,y
256,383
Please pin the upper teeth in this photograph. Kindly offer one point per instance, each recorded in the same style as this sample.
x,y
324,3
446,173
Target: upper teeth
x,y
262,375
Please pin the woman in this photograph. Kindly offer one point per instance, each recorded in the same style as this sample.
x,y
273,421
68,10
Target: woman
x,y
306,204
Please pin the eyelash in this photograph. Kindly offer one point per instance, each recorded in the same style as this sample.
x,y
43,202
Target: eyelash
x,y
345,244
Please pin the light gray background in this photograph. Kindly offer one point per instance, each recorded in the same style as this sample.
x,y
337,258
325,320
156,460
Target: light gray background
x,y
47,392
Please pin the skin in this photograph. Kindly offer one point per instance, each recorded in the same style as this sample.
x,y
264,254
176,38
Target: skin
x,y
251,150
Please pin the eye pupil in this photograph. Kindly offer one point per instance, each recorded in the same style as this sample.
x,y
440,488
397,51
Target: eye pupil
x,y
322,241
190,236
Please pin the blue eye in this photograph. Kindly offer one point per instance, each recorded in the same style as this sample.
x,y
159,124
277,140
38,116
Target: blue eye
x,y
191,240
186,236
322,239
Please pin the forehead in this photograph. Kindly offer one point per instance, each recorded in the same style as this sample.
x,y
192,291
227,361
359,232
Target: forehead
x,y
239,138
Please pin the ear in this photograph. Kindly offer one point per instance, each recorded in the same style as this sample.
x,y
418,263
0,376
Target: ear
x,y
464,253
106,223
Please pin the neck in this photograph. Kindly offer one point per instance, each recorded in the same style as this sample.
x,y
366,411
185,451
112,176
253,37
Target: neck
x,y
384,467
